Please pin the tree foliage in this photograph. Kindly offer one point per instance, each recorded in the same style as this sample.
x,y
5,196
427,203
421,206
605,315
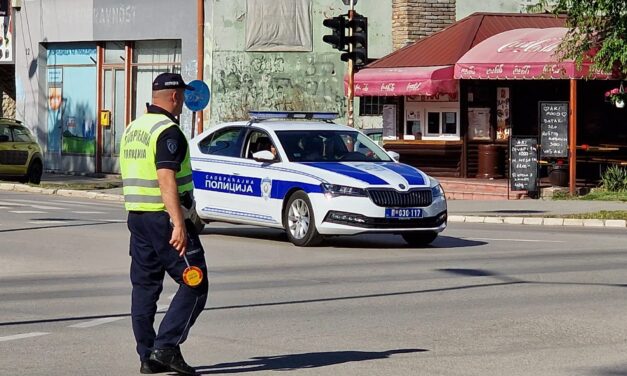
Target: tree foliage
x,y
597,32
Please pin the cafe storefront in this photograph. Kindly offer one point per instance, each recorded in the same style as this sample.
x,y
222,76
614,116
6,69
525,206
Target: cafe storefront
x,y
425,116
501,83
516,77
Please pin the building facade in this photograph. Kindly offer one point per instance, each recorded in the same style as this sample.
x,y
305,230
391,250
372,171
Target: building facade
x,y
76,62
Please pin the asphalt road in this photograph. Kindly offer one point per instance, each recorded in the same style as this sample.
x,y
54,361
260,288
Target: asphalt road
x,y
483,300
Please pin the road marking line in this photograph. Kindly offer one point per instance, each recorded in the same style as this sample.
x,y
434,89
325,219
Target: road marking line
x,y
86,203
519,240
22,336
36,205
89,324
44,207
27,212
51,222
87,212
10,203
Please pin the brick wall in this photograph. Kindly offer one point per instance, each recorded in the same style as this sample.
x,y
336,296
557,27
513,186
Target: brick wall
x,y
414,19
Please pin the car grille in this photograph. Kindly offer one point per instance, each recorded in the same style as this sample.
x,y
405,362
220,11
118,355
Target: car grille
x,y
393,198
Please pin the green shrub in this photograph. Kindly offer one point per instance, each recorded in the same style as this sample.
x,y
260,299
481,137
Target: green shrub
x,y
614,179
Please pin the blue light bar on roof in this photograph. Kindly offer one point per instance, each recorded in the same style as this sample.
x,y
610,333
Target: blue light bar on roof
x,y
262,115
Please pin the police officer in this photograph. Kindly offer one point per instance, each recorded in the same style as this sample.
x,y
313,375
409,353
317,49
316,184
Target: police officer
x,y
157,178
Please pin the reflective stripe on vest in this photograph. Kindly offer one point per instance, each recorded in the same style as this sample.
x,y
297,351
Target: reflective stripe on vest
x,y
137,164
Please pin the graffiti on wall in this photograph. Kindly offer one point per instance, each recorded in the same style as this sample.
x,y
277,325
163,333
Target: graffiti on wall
x,y
275,82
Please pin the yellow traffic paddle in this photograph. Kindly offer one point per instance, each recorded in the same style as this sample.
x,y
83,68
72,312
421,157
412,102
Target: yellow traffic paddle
x,y
192,275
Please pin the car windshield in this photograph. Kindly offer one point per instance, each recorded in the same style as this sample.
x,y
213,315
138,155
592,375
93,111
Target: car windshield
x,y
330,146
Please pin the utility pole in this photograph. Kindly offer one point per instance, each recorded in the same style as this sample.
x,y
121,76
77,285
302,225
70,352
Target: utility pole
x,y
351,69
355,45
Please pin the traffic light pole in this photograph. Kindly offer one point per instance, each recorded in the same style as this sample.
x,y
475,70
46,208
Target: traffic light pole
x,y
351,71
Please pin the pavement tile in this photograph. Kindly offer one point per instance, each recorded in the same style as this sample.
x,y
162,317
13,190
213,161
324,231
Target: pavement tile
x,y
615,223
553,221
573,222
513,220
493,220
474,219
593,223
532,221
456,218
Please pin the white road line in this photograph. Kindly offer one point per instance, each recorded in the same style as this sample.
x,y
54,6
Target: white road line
x,y
10,203
22,336
87,212
519,240
89,324
50,222
89,203
27,212
36,205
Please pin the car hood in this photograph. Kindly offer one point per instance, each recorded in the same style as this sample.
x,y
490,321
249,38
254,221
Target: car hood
x,y
368,174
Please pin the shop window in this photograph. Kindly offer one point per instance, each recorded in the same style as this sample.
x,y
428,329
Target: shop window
x,y
114,53
151,58
373,106
71,105
442,124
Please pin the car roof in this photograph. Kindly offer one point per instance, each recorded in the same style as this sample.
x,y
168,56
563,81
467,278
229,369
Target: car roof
x,y
282,125
300,126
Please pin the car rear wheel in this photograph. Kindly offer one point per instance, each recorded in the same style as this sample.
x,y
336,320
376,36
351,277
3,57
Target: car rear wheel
x,y
420,238
34,172
299,221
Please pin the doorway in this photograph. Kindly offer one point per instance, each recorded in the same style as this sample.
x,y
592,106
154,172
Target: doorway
x,y
113,100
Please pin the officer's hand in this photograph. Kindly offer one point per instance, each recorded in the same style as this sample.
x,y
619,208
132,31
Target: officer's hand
x,y
179,239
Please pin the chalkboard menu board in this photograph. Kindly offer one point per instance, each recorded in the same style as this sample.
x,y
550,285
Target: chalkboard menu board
x,y
524,163
553,129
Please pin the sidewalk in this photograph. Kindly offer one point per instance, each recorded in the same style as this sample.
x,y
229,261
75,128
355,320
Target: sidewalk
x,y
524,212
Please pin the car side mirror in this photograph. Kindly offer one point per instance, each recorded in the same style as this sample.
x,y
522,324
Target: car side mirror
x,y
264,156
4,138
394,155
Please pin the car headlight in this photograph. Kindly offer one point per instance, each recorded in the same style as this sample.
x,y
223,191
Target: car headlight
x,y
334,190
437,191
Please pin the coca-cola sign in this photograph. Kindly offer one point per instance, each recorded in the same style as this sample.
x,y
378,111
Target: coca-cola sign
x,y
542,45
389,87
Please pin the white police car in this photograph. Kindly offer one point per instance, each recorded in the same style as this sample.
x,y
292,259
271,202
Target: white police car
x,y
312,177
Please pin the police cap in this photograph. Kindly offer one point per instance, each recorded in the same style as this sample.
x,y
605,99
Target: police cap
x,y
169,81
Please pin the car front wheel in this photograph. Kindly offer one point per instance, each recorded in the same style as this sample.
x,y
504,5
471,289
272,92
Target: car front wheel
x,y
420,238
299,221
35,170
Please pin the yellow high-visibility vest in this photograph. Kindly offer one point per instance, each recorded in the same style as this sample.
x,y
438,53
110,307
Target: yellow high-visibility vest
x,y
137,164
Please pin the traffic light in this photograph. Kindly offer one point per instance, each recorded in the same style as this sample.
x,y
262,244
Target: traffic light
x,y
338,38
358,41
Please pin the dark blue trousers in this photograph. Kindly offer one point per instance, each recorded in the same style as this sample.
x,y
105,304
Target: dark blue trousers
x,y
151,257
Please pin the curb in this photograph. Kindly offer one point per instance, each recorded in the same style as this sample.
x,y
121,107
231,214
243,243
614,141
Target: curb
x,y
540,221
61,192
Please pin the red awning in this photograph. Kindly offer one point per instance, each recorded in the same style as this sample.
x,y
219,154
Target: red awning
x,y
521,54
404,81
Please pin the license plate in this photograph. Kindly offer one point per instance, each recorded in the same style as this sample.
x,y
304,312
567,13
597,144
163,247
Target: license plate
x,y
403,213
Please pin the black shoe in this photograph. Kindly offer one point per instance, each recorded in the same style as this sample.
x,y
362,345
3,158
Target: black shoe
x,y
149,367
172,359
